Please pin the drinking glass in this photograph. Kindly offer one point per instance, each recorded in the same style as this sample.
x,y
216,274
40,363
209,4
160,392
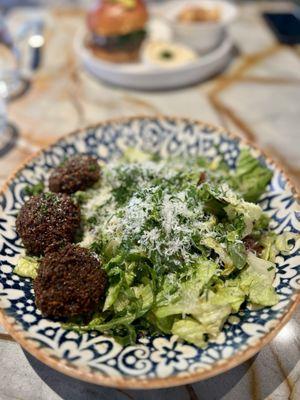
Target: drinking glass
x,y
10,81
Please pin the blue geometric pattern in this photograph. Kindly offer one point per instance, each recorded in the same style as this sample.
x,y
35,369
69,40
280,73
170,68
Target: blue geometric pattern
x,y
162,356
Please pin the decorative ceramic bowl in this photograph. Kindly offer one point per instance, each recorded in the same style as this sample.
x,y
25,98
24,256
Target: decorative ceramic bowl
x,y
162,361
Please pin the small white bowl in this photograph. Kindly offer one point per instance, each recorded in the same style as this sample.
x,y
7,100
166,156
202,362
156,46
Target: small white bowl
x,y
201,36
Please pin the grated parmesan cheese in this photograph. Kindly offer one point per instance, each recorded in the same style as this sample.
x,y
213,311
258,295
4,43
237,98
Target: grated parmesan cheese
x,y
157,215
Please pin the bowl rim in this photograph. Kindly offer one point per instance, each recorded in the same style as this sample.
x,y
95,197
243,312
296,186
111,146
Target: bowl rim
x,y
13,328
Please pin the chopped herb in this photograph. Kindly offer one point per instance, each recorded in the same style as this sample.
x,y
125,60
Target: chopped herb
x,y
47,199
91,221
80,197
92,167
166,55
43,208
97,247
33,190
63,162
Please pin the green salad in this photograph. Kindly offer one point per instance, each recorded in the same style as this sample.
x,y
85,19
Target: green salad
x,y
184,244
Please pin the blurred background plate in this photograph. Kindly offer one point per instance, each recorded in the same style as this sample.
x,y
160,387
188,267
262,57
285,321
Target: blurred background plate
x,y
143,76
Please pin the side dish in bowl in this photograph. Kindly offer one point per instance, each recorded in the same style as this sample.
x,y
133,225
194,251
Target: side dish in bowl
x,y
194,14
200,24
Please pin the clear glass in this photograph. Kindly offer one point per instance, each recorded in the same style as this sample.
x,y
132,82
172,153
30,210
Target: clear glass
x,y
9,62
9,74
3,119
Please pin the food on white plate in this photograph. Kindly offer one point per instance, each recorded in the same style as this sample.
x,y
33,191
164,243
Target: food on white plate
x,y
192,14
117,29
167,54
172,246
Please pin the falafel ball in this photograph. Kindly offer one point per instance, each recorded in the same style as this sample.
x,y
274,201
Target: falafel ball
x,y
77,173
69,282
46,219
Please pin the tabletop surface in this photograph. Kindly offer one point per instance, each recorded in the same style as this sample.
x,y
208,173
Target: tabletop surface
x,y
257,97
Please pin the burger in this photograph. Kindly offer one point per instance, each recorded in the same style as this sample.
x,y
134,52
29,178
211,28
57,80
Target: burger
x,y
117,29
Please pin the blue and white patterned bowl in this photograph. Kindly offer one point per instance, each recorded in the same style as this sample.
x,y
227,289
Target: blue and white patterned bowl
x,y
162,361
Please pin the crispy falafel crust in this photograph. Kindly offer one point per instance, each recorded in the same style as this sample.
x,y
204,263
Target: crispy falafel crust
x,y
46,219
70,282
77,173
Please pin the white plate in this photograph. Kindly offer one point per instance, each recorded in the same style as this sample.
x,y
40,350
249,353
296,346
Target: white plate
x,y
141,76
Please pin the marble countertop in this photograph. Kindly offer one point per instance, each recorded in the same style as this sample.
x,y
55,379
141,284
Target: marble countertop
x,y
257,97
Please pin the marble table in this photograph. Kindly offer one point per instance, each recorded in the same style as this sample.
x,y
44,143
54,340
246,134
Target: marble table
x,y
257,97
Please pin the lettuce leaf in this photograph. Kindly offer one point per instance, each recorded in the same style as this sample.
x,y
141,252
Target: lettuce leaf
x,y
274,244
256,281
251,177
211,313
121,292
116,276
229,294
27,267
133,155
270,250
221,251
237,254
162,324
251,213
185,300
144,294
190,330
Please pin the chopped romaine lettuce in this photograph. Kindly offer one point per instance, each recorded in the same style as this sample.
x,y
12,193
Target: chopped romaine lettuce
x,y
250,213
174,237
189,291
261,267
274,244
230,294
190,330
133,155
211,314
237,253
250,177
221,251
257,279
27,267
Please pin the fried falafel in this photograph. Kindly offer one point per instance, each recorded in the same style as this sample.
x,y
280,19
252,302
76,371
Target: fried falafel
x,y
77,173
46,219
70,282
